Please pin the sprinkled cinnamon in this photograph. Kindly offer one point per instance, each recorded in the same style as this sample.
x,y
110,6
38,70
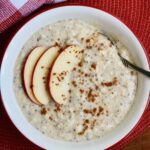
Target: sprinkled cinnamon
x,y
88,47
43,111
74,69
80,64
83,131
57,107
50,118
87,40
93,65
91,96
81,91
74,83
100,110
108,84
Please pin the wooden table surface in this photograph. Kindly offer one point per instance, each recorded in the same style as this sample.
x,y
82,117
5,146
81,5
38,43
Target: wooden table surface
x,y
140,143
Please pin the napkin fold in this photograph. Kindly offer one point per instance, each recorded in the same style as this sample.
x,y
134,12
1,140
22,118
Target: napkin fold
x,y
13,10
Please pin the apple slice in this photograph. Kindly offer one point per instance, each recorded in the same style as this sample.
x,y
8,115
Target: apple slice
x,y
60,76
28,70
40,75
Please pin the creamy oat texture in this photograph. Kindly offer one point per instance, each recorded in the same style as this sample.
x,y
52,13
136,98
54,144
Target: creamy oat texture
x,y
102,90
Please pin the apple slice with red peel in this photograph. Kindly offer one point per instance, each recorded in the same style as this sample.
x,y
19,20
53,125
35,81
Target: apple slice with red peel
x,y
40,75
28,70
60,76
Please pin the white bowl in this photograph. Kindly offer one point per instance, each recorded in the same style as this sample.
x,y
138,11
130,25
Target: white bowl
x,y
109,24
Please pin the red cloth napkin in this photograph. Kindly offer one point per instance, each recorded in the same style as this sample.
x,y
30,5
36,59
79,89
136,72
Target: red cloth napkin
x,y
135,14
13,10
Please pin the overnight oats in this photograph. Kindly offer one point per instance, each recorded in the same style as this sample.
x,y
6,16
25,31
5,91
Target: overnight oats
x,y
70,82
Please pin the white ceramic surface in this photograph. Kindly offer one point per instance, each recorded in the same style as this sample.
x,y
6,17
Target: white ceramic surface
x,y
109,24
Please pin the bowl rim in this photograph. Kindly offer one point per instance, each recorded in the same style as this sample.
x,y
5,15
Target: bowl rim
x,y
66,5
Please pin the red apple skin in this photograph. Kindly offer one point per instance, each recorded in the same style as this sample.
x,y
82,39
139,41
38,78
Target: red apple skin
x,y
22,74
49,73
49,78
61,50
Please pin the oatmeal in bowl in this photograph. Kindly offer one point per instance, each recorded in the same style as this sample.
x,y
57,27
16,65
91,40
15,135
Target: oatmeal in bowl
x,y
70,86
89,89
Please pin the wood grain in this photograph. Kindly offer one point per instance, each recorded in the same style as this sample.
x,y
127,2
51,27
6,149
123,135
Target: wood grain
x,y
140,143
